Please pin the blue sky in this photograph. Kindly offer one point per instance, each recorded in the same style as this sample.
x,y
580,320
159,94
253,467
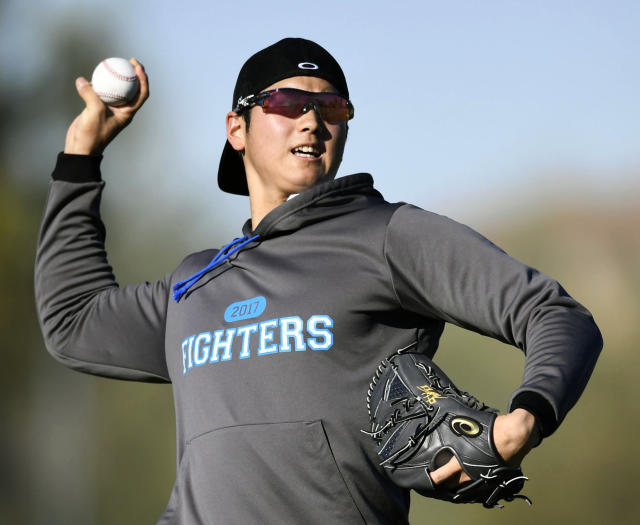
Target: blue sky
x,y
466,108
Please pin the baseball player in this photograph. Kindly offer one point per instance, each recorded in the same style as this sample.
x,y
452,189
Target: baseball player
x,y
270,342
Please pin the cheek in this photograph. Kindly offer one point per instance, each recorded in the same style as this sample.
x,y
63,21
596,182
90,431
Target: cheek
x,y
276,126
274,135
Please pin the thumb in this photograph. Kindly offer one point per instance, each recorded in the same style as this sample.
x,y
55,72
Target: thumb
x,y
86,92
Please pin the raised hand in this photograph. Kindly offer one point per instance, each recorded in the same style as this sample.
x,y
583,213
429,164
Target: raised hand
x,y
98,124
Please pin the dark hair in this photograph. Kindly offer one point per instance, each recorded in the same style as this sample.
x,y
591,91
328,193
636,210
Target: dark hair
x,y
246,115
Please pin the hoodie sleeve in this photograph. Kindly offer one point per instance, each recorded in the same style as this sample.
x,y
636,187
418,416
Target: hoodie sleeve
x,y
89,323
444,270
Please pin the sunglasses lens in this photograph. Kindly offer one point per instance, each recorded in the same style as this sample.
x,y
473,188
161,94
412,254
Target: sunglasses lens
x,y
334,108
291,103
286,103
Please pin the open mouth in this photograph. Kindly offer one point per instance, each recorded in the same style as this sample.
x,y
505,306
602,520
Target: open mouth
x,y
307,152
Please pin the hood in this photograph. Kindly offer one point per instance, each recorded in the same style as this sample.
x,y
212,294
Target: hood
x,y
319,203
323,201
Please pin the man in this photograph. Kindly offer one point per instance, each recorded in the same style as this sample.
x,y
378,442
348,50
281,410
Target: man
x,y
270,342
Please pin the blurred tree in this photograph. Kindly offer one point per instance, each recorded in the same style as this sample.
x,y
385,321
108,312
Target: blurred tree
x,y
19,215
72,445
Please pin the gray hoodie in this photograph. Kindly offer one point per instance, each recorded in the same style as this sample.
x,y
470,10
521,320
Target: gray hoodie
x,y
270,348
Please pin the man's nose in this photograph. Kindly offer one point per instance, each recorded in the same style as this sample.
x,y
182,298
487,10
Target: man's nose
x,y
311,105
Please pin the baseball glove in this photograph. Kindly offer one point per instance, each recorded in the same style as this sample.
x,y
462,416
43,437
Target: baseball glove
x,y
419,420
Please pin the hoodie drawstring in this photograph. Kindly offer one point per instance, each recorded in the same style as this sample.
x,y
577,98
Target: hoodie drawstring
x,y
179,289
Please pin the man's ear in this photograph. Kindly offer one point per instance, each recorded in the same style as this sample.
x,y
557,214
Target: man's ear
x,y
236,131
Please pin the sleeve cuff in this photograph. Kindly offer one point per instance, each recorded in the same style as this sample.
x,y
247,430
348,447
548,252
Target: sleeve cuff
x,y
540,408
77,168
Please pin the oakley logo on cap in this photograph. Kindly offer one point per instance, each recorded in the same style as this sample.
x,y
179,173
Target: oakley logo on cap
x,y
308,65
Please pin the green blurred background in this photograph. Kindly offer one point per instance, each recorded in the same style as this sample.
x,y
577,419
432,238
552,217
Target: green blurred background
x,y
80,449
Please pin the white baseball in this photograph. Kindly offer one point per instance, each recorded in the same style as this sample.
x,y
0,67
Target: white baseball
x,y
114,80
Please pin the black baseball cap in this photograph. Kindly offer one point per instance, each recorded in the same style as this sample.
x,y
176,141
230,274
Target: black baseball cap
x,y
290,57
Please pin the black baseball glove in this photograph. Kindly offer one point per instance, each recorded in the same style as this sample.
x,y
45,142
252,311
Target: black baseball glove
x,y
419,420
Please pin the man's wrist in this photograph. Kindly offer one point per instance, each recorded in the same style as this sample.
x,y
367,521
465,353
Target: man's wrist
x,y
537,405
530,423
82,149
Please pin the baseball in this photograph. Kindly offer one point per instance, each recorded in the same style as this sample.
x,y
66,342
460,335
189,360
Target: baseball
x,y
114,80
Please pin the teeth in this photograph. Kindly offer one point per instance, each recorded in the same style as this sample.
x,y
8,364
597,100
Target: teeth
x,y
311,150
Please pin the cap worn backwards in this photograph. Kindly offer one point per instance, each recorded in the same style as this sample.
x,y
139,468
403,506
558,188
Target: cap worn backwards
x,y
290,57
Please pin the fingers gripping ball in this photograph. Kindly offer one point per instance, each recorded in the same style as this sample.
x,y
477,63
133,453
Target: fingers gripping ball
x,y
114,80
419,420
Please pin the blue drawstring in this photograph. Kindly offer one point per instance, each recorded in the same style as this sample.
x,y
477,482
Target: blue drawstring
x,y
179,289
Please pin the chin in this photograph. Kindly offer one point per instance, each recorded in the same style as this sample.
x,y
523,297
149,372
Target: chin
x,y
305,182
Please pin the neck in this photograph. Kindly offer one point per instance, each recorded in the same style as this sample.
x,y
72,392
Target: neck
x,y
262,203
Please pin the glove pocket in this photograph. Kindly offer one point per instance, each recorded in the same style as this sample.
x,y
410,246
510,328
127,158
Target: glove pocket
x,y
263,473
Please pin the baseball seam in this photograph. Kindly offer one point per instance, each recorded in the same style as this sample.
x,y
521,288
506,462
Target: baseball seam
x,y
111,95
116,74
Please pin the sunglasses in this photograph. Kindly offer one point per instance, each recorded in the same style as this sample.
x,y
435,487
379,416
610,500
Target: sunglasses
x,y
292,103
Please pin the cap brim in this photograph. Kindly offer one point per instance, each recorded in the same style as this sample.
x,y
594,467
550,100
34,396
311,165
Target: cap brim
x,y
231,175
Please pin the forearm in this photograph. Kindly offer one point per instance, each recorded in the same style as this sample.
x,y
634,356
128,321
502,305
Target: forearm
x,y
88,322
447,271
563,345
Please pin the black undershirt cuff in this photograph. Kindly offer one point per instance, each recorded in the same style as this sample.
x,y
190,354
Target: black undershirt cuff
x,y
77,168
540,408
